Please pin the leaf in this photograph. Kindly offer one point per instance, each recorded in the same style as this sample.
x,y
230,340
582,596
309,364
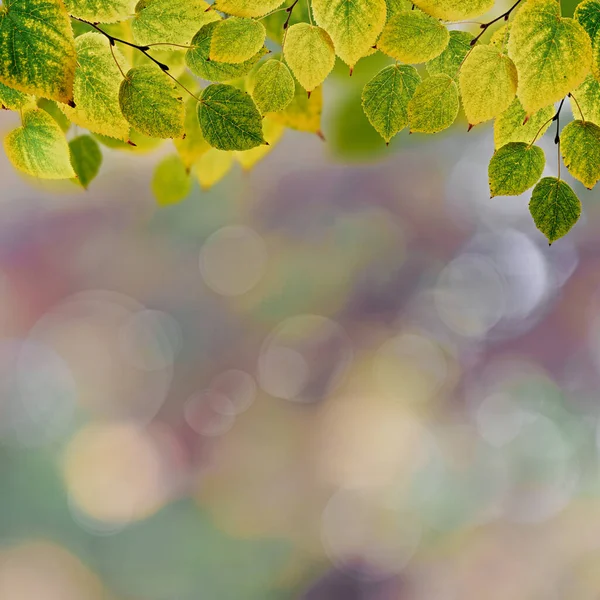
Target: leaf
x,y
588,96
229,118
554,207
451,59
552,54
235,40
151,103
171,182
39,147
515,168
513,126
397,6
385,99
13,99
587,14
138,143
172,21
37,48
310,54
413,37
434,105
101,11
198,59
86,159
212,167
302,113
96,88
580,149
488,84
353,26
273,133
56,113
500,37
193,145
454,10
274,87
596,57
247,8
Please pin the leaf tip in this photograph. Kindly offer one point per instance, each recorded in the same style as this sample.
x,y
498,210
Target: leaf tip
x,y
321,135
470,127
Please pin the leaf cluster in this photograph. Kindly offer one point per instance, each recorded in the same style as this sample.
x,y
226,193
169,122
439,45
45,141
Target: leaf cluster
x,y
135,73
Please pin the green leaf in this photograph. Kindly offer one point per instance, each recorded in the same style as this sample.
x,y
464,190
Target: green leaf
x,y
451,59
55,112
454,10
596,57
37,48
397,6
515,168
588,15
151,103
353,26
193,145
552,54
236,40
580,149
198,59
303,113
310,54
229,118
413,37
212,167
39,147
101,11
247,8
385,99
514,126
86,159
434,105
488,84
13,99
554,207
171,182
172,21
588,96
96,88
274,87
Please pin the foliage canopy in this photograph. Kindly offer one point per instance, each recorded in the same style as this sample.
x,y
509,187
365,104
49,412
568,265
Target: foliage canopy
x,y
135,73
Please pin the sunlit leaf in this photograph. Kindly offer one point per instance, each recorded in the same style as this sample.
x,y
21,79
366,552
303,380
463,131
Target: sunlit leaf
x,y
212,167
514,126
101,11
451,59
236,40
247,8
303,113
434,105
274,87
580,149
454,10
515,168
171,182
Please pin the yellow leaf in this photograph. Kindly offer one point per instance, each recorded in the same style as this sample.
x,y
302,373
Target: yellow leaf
x,y
273,133
212,167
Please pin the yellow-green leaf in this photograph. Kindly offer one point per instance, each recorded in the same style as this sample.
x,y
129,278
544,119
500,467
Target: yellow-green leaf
x,y
515,168
39,147
247,8
56,113
454,10
310,53
172,21
434,105
588,97
151,103
596,57
488,84
580,149
212,167
413,37
229,118
101,11
385,99
274,87
13,99
552,54
237,39
96,88
451,59
499,39
397,6
273,133
37,48
171,182
554,207
199,62
86,158
354,26
193,145
514,126
587,14
303,113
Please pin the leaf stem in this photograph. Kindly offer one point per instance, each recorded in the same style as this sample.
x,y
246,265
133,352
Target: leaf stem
x,y
486,26
554,118
578,106
309,12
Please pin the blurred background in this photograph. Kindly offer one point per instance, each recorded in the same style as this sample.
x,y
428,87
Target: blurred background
x,y
345,375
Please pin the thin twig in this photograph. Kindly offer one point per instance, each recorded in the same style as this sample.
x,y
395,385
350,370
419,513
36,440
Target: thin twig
x,y
505,16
